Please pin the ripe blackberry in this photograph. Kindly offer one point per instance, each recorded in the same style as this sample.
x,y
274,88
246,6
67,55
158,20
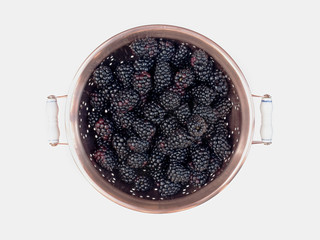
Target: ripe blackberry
x,y
158,175
161,145
93,117
197,126
179,156
146,47
181,57
177,173
179,139
111,90
142,184
102,76
203,95
198,179
119,143
168,126
142,83
143,64
183,113
223,107
97,100
214,165
220,147
200,157
199,60
166,50
180,91
144,129
156,160
101,142
221,128
168,188
104,128
219,81
137,160
125,73
184,78
154,113
125,101
138,145
127,174
205,74
162,76
170,100
123,120
105,158
207,113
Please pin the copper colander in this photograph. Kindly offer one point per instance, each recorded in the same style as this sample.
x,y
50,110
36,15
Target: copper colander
x,y
80,137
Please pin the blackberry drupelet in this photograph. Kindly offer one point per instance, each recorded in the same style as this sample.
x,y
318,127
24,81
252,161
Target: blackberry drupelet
x,y
105,158
162,76
145,48
119,143
207,113
200,157
102,76
127,174
143,64
184,78
144,129
168,188
104,128
138,145
142,184
220,147
177,173
125,73
183,113
166,50
168,126
137,160
198,179
197,126
199,60
203,95
154,113
181,57
125,101
223,107
142,83
179,156
97,100
170,100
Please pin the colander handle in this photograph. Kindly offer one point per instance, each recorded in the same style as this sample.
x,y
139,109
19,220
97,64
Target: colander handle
x,y
266,130
52,110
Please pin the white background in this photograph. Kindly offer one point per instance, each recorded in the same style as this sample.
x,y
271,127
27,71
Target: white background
x,y
274,196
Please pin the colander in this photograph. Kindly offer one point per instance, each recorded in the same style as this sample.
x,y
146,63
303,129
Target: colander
x,y
81,142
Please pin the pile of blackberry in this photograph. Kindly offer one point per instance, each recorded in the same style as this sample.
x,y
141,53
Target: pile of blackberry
x,y
160,117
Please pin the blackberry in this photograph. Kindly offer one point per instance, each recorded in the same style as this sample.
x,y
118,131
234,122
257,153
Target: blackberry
x,y
137,160
125,100
142,83
168,126
127,174
111,91
102,76
177,173
93,117
203,95
207,113
181,57
223,107
125,74
170,100
179,139
162,76
144,129
166,50
105,158
183,113
142,184
97,100
180,91
119,143
143,64
200,157
179,156
138,145
219,82
168,188
198,179
101,142
197,126
158,175
154,113
221,128
184,78
123,120
214,165
146,47
161,145
156,160
205,75
220,147
104,128
199,60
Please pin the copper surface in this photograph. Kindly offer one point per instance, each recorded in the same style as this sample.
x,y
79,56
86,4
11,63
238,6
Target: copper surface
x,y
246,119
